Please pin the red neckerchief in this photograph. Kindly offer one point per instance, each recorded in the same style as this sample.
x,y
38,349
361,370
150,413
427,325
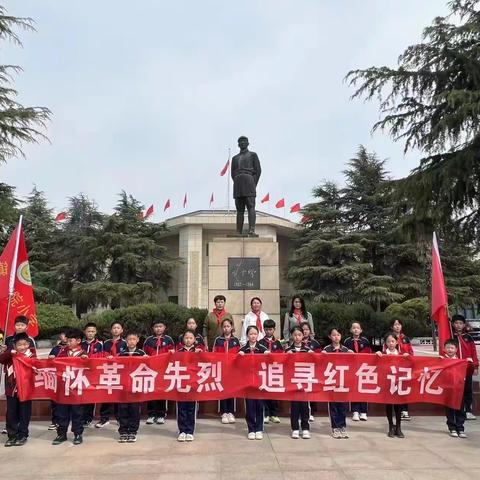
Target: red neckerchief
x,y
462,344
89,344
226,341
270,342
74,353
259,321
356,347
252,350
219,314
400,342
297,313
114,346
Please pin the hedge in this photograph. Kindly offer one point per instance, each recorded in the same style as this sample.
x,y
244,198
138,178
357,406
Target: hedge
x,y
52,317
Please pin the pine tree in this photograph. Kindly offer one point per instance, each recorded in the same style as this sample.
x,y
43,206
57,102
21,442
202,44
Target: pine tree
x,y
8,212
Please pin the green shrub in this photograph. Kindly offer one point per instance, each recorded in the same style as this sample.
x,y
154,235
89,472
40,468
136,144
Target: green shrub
x,y
52,317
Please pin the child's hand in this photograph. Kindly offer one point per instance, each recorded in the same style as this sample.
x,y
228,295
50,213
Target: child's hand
x,y
311,351
13,352
2,348
406,354
469,359
379,354
266,352
198,350
290,351
51,356
109,356
84,356
241,353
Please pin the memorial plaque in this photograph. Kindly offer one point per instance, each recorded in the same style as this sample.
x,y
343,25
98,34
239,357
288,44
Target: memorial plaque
x,y
244,273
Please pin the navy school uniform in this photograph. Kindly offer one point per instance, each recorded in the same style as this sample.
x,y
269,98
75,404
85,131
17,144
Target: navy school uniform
x,y
338,410
299,411
224,345
274,346
360,345
112,348
69,413
313,345
54,352
129,413
254,408
93,349
186,411
199,343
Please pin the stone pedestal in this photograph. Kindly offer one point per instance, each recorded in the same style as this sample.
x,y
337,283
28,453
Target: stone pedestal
x,y
238,301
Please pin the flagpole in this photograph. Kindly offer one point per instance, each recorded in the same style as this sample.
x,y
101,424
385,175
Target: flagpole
x,y
228,181
13,272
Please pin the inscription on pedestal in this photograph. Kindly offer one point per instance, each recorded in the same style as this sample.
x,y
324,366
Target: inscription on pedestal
x,y
244,273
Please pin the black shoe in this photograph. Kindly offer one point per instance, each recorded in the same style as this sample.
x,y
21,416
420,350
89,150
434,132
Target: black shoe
x,y
123,438
60,439
398,433
132,438
20,441
10,442
391,432
77,439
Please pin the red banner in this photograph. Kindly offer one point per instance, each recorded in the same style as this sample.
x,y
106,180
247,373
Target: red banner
x,y
212,376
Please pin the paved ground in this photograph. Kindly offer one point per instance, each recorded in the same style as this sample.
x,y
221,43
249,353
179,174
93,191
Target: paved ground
x,y
223,451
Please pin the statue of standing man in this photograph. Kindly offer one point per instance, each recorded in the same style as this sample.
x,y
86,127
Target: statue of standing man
x,y
246,172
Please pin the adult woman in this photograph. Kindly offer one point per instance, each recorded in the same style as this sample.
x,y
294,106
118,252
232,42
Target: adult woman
x,y
255,317
296,316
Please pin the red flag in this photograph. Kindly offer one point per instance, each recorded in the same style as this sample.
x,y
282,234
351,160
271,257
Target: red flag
x,y
149,212
295,208
185,201
225,168
16,285
439,298
266,198
280,203
61,216
211,199
305,219
167,205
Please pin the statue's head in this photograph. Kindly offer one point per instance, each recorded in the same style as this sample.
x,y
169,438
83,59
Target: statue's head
x,y
243,142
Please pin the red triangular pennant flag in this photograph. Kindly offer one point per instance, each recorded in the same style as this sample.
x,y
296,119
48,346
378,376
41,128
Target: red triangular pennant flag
x,y
167,205
225,168
16,285
439,298
149,212
266,198
280,203
295,208
185,201
61,216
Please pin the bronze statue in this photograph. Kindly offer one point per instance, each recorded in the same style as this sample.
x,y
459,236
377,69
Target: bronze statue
x,y
246,172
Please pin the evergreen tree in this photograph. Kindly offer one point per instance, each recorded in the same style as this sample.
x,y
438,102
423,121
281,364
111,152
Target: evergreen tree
x,y
8,212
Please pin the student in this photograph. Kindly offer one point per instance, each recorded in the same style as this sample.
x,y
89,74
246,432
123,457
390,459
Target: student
x,y
391,347
20,325
404,345
70,413
338,410
358,344
253,408
273,346
227,343
93,349
129,413
308,339
255,317
154,345
212,326
187,411
299,411
467,350
191,324
455,418
111,349
296,316
62,342
18,413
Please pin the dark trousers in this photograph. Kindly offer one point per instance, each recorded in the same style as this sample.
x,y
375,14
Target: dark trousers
x,y
66,414
398,409
456,419
186,413
468,393
128,418
271,408
89,412
240,204
106,410
254,415
360,407
53,406
157,408
299,411
227,405
338,414
18,417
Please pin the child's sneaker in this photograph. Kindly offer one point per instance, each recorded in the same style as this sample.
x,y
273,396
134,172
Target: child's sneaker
x,y
453,433
151,420
160,420
102,423
343,432
132,438
10,442
52,426
77,439
462,434
225,418
258,435
231,418
266,420
274,419
59,439
20,441
295,434
189,437
4,431
363,417
87,423
182,437
251,436
123,439
311,418
336,433
356,417
406,415
306,434
471,416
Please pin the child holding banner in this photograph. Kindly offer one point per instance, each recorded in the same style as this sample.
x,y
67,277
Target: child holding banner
x,y
191,324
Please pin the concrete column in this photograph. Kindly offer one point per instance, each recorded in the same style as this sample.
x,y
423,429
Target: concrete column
x,y
190,272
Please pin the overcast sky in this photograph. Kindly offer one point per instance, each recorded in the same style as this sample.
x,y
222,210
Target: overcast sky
x,y
148,96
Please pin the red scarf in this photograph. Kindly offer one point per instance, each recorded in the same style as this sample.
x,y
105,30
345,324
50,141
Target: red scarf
x,y
400,343
219,314
355,345
114,347
259,321
297,313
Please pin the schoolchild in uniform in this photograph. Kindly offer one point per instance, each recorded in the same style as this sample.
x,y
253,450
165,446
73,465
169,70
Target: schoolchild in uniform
x,y
299,411
229,344
20,326
129,413
191,324
154,345
315,347
358,344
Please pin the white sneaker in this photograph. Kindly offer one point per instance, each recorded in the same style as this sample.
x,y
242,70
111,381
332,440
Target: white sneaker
x,y
258,435
295,434
251,436
336,433
343,432
311,419
462,434
471,416
102,424
363,417
275,419
160,420
231,418
356,417
266,420
406,415
453,433
182,437
189,437
306,434
150,420
225,418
